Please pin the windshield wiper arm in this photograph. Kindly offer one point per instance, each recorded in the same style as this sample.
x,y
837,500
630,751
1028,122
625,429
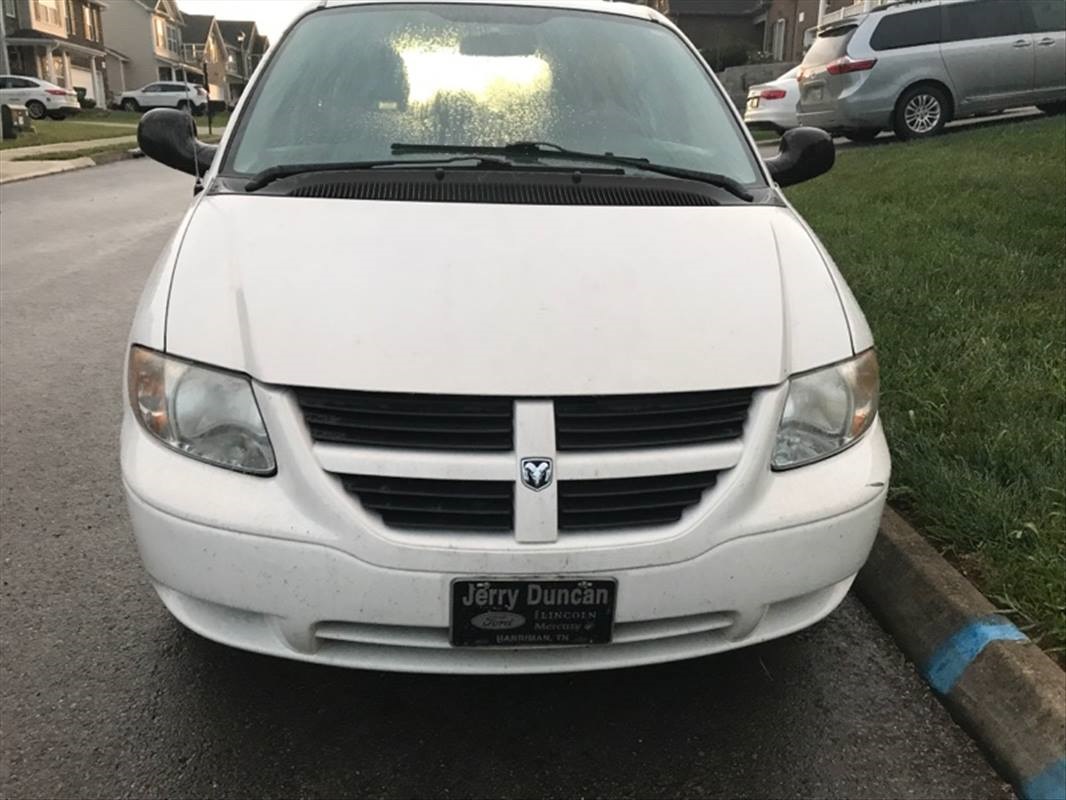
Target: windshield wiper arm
x,y
551,150
271,174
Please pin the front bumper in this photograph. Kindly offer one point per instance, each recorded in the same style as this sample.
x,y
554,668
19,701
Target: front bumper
x,y
260,565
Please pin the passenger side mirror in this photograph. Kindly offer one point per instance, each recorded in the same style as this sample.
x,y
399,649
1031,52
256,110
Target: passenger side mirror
x,y
804,153
169,136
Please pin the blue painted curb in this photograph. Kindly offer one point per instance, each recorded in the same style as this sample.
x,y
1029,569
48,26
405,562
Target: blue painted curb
x,y
1048,785
951,659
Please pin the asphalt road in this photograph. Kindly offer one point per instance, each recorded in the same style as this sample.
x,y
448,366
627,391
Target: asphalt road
x,y
103,695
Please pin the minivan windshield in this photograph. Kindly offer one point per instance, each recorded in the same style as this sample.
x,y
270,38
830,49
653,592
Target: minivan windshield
x,y
348,84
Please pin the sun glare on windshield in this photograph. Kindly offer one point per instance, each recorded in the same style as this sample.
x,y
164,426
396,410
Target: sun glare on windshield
x,y
492,80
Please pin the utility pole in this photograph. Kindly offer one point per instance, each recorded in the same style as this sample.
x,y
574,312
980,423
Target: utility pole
x,y
5,68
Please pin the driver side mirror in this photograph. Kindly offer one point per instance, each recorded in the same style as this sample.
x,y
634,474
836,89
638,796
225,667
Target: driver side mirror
x,y
804,153
169,136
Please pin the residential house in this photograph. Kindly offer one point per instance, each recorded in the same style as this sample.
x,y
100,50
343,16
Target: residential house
x,y
202,44
145,44
725,31
61,41
240,37
791,25
260,44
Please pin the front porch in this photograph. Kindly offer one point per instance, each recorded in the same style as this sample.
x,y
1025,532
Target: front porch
x,y
64,63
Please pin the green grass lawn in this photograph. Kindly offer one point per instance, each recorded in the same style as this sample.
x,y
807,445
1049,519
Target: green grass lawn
x,y
956,248
762,135
133,117
50,131
103,149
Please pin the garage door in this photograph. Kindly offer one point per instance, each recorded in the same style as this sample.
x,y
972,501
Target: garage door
x,y
83,79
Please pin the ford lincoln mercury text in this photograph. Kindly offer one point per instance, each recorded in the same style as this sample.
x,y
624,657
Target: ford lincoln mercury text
x,y
490,344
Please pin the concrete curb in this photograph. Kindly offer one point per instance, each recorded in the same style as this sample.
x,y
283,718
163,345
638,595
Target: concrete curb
x,y
15,171
998,685
41,169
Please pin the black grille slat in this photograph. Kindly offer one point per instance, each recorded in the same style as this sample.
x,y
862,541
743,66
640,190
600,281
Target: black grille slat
x,y
408,441
438,504
600,520
630,502
628,486
643,439
591,503
641,421
408,421
614,423
477,490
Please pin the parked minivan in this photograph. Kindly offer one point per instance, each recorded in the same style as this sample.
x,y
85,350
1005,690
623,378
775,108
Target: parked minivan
x,y
911,67
490,344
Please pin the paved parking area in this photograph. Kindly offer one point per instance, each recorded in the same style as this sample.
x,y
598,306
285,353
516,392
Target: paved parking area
x,y
102,695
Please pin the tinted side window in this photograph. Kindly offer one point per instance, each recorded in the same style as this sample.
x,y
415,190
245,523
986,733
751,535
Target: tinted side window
x,y
984,19
5,83
173,87
909,29
1047,15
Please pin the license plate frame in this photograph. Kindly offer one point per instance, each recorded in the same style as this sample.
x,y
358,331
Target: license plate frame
x,y
518,613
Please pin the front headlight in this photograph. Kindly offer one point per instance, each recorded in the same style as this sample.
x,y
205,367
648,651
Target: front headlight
x,y
827,411
202,412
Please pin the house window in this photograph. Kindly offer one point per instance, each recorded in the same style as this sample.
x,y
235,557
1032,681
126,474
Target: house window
x,y
92,30
46,11
173,39
70,17
160,33
9,8
778,44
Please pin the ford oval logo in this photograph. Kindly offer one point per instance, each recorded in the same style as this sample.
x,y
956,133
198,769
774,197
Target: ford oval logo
x,y
498,621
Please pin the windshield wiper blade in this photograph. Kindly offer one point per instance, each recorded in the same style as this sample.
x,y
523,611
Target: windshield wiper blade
x,y
271,174
551,150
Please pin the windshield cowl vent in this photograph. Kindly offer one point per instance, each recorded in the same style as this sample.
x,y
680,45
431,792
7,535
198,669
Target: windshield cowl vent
x,y
556,189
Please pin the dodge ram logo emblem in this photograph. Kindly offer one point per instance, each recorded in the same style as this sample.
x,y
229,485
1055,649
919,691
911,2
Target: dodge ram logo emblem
x,y
537,473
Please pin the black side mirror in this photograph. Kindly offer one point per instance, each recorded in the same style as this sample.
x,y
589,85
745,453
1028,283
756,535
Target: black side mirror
x,y
805,153
169,136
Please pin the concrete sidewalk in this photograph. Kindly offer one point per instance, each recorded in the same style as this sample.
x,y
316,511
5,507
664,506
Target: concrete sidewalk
x,y
11,153
12,170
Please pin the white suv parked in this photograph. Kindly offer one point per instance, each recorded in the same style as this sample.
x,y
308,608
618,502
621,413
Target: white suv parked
x,y
165,94
490,344
41,98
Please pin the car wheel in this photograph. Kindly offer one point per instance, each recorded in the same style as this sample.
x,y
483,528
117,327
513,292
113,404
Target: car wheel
x,y
58,116
1053,108
129,104
35,108
921,112
863,134
183,105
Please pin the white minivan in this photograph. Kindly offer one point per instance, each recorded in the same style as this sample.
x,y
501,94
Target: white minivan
x,y
490,344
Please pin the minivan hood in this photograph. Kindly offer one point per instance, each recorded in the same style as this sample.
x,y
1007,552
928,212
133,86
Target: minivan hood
x,y
502,299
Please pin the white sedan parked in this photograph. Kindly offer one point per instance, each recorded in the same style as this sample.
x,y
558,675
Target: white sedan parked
x,y
165,94
41,98
773,105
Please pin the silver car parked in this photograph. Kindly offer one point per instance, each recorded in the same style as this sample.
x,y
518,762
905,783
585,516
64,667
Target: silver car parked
x,y
915,65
